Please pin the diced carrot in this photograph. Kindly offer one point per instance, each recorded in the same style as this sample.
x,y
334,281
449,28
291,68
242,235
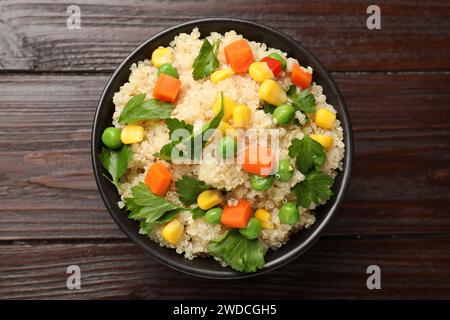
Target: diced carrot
x,y
166,88
300,77
158,179
237,216
239,55
258,160
274,65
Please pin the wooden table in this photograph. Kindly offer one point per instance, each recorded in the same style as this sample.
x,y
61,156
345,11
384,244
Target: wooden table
x,y
396,82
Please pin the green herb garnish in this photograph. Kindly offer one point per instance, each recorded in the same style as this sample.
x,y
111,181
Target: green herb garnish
x,y
315,188
116,162
189,189
194,143
292,91
206,61
304,101
197,213
240,253
146,227
268,108
165,153
149,208
174,124
307,152
137,109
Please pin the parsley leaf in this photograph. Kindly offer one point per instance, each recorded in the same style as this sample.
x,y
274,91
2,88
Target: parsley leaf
x,y
307,152
197,213
165,153
206,61
237,251
136,110
315,188
148,208
146,205
193,145
195,142
292,91
189,189
174,124
116,162
146,227
304,101
268,108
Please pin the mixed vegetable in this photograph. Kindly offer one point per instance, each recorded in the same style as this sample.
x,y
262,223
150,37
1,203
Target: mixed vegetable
x,y
238,246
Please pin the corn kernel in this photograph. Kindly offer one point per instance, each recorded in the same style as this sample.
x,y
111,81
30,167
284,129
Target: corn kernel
x,y
160,56
226,129
325,118
260,71
264,218
228,106
325,140
242,116
132,133
271,92
209,198
220,75
173,231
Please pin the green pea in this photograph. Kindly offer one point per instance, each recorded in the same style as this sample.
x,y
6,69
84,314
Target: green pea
x,y
288,213
111,138
285,170
213,215
260,183
167,68
227,147
284,114
252,230
279,58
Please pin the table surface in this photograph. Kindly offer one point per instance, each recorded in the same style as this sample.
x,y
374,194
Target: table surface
x,y
396,82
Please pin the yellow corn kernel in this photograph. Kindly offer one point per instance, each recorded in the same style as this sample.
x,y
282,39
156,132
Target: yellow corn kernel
x,y
325,140
228,106
220,75
160,56
209,198
325,118
266,224
132,133
264,218
242,116
173,231
260,71
226,129
271,92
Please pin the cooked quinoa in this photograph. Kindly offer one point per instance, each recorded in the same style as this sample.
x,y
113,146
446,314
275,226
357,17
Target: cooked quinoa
x,y
194,105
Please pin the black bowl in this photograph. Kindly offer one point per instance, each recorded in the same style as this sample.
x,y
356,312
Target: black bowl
x,y
208,267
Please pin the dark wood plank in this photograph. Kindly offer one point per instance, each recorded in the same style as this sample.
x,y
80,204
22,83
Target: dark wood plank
x,y
414,34
47,187
400,182
401,177
334,268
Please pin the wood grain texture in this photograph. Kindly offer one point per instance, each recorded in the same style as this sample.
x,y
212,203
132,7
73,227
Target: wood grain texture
x,y
35,37
400,183
333,268
395,215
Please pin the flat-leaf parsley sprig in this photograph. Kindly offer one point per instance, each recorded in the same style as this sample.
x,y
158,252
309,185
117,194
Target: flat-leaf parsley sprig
x,y
206,61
